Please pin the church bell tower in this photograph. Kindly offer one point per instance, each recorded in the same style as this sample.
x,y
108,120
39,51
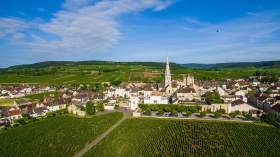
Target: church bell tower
x,y
167,74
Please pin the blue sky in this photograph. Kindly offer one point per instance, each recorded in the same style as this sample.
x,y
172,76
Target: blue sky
x,y
188,31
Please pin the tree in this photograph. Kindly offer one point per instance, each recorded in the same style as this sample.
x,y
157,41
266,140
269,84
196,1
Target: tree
x,y
90,108
270,118
100,106
213,98
116,82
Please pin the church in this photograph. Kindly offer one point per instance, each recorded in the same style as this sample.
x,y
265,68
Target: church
x,y
172,91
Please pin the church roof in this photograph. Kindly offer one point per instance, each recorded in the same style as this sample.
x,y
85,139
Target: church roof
x,y
237,102
186,90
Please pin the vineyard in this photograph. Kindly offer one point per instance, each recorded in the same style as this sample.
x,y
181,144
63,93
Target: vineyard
x,y
167,137
57,136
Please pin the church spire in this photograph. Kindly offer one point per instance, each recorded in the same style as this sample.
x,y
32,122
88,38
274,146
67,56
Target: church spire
x,y
167,74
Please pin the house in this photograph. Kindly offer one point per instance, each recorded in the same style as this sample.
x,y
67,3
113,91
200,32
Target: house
x,y
122,92
14,113
54,104
148,91
133,102
77,109
221,91
241,94
217,107
240,105
39,111
186,94
156,98
276,109
83,96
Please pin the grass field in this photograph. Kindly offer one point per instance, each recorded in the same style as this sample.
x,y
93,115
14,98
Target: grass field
x,y
6,102
54,137
167,137
76,74
41,96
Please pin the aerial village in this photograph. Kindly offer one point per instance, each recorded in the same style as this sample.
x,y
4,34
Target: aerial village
x,y
239,99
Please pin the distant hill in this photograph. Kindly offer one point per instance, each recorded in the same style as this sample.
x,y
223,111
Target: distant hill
x,y
61,63
234,65
153,64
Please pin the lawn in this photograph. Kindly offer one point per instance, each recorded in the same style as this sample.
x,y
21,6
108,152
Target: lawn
x,y
167,137
40,96
6,102
58,136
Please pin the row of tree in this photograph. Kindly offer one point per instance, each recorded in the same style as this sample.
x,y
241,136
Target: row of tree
x,y
92,108
173,109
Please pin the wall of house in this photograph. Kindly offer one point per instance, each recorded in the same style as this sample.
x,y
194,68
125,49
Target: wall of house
x,y
216,107
156,100
185,96
242,108
133,103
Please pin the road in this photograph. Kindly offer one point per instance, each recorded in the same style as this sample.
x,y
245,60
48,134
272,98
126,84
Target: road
x,y
126,114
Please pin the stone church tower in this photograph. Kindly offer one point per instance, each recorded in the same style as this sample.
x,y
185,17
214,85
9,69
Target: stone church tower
x,y
167,75
190,80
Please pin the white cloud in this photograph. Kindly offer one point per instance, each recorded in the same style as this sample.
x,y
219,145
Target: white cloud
x,y
83,26
250,38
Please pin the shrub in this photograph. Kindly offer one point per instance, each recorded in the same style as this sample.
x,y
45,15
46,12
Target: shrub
x,y
167,109
202,114
50,114
270,118
16,125
25,115
248,115
90,108
188,113
233,114
222,111
160,112
100,106
147,112
116,106
174,113
217,114
21,121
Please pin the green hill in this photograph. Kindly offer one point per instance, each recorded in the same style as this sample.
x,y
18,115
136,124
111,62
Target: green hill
x,y
91,72
235,65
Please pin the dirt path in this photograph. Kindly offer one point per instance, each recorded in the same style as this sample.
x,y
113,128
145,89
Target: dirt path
x,y
126,114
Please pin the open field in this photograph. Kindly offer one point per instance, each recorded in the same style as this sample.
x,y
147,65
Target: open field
x,y
169,137
57,136
76,74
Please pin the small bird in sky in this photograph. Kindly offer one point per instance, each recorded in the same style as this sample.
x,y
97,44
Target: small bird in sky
x,y
217,30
